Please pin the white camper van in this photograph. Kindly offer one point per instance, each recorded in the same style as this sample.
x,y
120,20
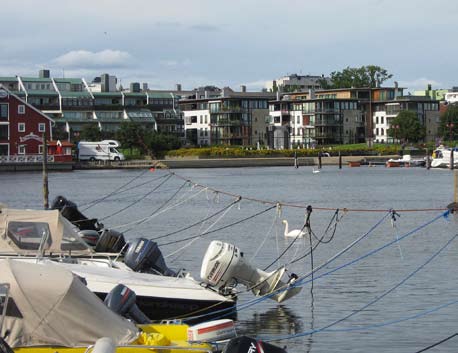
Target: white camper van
x,y
102,151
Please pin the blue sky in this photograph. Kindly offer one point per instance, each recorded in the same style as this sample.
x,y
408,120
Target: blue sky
x,y
230,43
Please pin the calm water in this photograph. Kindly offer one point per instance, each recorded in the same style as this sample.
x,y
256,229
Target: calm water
x,y
380,327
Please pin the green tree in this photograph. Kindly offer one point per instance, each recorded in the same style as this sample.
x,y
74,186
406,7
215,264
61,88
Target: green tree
x,y
448,125
91,133
364,76
134,135
406,127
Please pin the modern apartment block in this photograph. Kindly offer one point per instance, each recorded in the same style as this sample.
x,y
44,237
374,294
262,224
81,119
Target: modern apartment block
x,y
73,103
295,82
226,117
339,116
303,122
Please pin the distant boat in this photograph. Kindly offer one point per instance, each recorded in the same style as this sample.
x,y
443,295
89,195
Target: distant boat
x,y
442,156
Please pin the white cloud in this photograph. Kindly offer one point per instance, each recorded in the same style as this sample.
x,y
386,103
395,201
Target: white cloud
x,y
175,63
87,59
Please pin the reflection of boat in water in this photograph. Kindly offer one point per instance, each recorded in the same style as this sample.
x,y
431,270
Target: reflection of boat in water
x,y
442,157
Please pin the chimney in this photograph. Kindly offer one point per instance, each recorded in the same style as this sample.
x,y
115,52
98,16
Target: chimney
x,y
206,94
396,89
278,96
178,87
243,88
43,74
429,87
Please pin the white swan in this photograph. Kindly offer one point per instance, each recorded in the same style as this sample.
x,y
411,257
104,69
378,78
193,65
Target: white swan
x,y
294,233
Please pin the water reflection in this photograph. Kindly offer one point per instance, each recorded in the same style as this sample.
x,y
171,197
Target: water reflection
x,y
279,320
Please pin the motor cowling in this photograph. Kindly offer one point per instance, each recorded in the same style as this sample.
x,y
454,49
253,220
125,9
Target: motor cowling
x,y
144,255
91,237
110,241
224,266
245,344
122,300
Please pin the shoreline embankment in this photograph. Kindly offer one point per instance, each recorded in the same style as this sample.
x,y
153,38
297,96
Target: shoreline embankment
x,y
197,162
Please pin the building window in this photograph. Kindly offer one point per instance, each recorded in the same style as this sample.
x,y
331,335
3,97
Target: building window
x,y
21,127
4,135
381,120
21,149
40,149
21,109
4,150
41,127
3,111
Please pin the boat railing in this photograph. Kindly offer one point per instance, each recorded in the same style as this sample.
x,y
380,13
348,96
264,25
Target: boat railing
x,y
4,296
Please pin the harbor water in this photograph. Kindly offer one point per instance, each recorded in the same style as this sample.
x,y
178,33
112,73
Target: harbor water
x,y
378,296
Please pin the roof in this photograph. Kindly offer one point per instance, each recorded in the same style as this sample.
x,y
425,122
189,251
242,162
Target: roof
x,y
71,94
39,92
107,94
69,80
27,104
8,79
54,307
36,79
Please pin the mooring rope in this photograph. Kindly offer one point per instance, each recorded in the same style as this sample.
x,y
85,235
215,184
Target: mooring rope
x,y
301,281
158,208
118,190
137,201
221,228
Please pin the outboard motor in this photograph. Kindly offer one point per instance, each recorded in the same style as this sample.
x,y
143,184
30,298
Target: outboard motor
x,y
143,255
224,266
245,344
110,241
70,211
121,300
91,237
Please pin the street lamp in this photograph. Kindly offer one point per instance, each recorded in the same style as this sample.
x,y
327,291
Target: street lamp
x,y
450,128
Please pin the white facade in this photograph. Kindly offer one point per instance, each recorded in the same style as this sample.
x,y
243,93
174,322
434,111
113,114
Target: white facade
x,y
382,123
200,121
451,97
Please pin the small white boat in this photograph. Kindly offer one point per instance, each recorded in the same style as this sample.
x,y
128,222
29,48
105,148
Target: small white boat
x,y
441,157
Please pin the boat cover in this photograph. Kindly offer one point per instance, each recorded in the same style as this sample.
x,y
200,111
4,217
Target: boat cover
x,y
48,305
25,232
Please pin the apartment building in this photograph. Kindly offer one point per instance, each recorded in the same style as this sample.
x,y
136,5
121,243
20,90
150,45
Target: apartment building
x,y
226,117
295,82
307,122
74,103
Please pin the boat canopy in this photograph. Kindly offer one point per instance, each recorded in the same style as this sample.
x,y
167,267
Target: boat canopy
x,y
48,305
31,232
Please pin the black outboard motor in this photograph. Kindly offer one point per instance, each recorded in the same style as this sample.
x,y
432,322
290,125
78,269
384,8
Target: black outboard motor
x,y
245,344
121,300
143,255
70,211
110,241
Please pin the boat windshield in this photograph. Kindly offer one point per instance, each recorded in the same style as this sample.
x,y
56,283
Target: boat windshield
x,y
34,235
71,241
29,235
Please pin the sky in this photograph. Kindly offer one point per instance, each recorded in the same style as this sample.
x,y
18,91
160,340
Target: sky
x,y
230,43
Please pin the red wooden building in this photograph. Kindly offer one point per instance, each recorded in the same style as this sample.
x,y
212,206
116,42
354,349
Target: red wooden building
x,y
21,132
